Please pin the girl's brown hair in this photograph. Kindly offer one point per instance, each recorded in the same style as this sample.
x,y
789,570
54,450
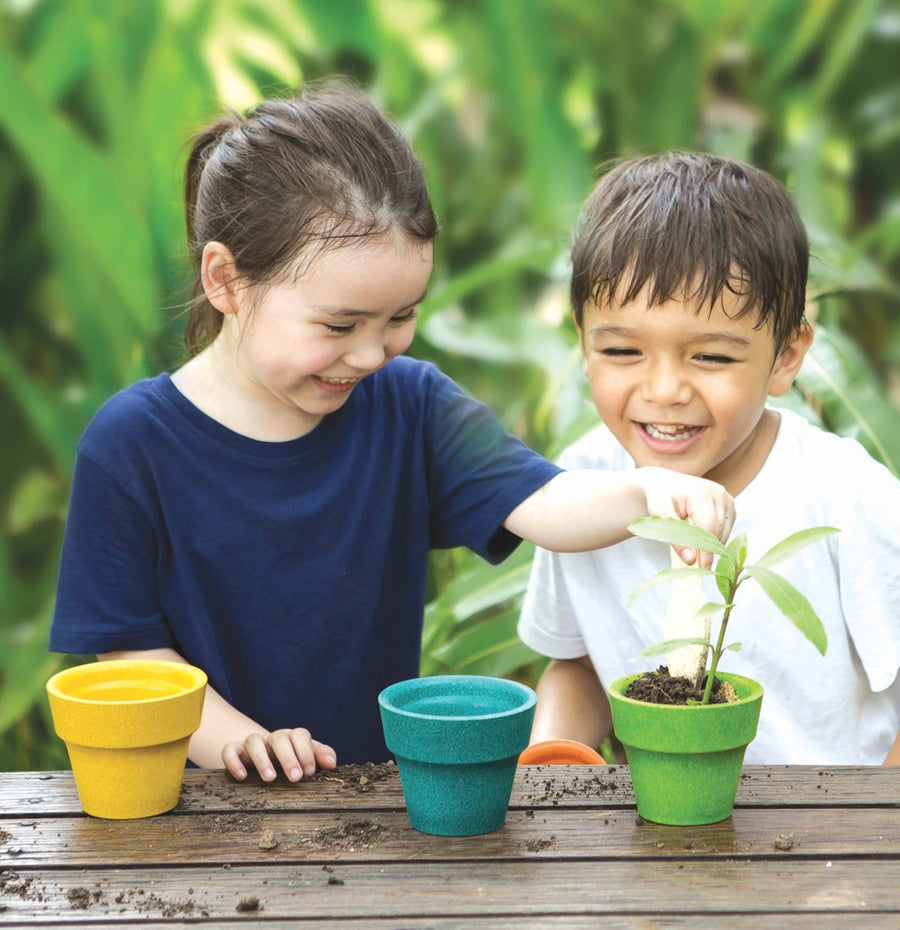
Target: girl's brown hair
x,y
688,225
318,169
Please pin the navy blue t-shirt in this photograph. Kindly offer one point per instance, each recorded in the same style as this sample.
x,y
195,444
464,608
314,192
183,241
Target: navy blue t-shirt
x,y
292,573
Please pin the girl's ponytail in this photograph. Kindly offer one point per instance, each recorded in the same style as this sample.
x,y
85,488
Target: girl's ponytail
x,y
204,321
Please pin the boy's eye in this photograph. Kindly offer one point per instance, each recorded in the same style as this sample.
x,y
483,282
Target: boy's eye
x,y
406,317
340,330
715,359
620,353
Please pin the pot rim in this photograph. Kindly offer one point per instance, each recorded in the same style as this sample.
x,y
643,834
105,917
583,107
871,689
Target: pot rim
x,y
617,688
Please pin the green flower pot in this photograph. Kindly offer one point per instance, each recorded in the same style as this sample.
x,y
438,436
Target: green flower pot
x,y
685,761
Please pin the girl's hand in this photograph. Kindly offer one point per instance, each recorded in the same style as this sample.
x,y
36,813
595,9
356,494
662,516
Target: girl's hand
x,y
697,500
295,751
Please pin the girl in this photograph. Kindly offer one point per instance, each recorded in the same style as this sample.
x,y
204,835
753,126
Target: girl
x,y
266,511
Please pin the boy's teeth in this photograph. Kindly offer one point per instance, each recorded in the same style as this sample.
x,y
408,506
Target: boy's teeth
x,y
670,431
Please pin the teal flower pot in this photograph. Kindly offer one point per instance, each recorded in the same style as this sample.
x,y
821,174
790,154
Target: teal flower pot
x,y
457,740
685,761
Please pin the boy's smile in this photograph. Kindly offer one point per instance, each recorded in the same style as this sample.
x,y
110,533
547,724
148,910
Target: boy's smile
x,y
686,390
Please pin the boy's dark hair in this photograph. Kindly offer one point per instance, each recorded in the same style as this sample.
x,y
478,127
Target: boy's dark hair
x,y
691,225
322,168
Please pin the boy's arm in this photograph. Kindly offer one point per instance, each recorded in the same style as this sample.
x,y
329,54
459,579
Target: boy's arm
x,y
893,757
581,510
571,704
226,736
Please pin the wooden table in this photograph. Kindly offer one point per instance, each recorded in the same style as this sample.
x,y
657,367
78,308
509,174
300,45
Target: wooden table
x,y
806,847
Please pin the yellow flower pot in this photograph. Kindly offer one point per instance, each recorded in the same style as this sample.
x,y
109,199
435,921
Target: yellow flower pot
x,y
126,725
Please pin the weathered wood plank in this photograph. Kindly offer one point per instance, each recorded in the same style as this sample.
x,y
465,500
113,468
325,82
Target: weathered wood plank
x,y
801,921
459,890
385,836
40,793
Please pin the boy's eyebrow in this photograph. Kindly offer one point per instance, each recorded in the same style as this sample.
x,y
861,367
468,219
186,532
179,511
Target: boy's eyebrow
x,y
706,338
350,311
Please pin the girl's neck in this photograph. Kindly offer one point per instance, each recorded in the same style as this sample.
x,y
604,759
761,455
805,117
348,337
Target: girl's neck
x,y
215,385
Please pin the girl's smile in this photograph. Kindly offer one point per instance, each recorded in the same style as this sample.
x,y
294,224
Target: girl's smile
x,y
290,353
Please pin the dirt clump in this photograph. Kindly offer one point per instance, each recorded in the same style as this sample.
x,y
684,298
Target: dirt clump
x,y
659,687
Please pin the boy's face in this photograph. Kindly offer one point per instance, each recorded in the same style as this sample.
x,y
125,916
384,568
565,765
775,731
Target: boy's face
x,y
686,390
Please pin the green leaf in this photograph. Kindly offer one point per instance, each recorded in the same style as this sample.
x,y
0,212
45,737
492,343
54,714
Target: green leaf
x,y
725,578
738,549
709,609
792,604
677,533
853,403
667,574
793,544
670,645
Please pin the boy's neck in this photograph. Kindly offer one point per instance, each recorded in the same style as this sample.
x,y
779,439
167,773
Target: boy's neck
x,y
746,462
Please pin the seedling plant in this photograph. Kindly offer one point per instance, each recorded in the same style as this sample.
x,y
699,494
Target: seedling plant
x,y
731,571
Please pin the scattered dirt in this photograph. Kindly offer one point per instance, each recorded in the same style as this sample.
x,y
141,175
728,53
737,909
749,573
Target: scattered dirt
x,y
354,834
660,687
248,904
785,841
359,777
554,790
12,883
267,840
538,845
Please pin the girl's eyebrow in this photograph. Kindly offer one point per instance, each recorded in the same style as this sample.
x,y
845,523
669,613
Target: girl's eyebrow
x,y
625,332
343,312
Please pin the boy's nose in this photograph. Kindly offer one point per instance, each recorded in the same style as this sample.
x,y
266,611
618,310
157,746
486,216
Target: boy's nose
x,y
666,384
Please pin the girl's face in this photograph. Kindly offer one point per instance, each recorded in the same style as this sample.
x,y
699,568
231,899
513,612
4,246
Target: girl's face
x,y
298,351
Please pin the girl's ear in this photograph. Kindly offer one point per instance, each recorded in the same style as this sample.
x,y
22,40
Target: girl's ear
x,y
219,276
788,363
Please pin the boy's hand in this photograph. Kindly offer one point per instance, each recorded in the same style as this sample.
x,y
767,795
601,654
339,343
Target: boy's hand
x,y
295,751
697,500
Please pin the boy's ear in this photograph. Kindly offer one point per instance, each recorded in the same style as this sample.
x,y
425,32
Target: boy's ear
x,y
789,360
580,344
219,276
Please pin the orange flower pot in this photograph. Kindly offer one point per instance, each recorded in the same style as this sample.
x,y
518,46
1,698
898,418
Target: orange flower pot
x,y
560,752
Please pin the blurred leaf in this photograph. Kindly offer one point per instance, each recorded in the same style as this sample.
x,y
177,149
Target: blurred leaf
x,y
793,544
852,404
37,497
792,604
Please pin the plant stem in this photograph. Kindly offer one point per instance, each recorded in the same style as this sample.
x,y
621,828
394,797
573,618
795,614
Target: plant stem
x,y
718,650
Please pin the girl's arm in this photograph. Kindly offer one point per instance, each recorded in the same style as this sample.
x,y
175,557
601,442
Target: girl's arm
x,y
571,704
581,510
230,737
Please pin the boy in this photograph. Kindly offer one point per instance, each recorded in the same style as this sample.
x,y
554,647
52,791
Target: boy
x,y
688,289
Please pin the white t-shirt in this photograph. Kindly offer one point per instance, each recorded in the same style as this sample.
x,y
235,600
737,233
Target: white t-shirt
x,y
843,708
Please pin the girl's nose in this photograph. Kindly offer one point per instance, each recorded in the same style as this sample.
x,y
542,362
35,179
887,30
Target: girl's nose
x,y
366,355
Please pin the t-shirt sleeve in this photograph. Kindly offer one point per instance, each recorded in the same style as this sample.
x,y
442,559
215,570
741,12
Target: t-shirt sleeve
x,y
868,553
478,473
107,592
548,621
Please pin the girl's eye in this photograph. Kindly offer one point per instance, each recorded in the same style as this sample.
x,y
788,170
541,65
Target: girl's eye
x,y
340,330
405,318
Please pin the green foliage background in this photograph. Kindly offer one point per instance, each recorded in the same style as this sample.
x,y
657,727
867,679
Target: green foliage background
x,y
512,104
